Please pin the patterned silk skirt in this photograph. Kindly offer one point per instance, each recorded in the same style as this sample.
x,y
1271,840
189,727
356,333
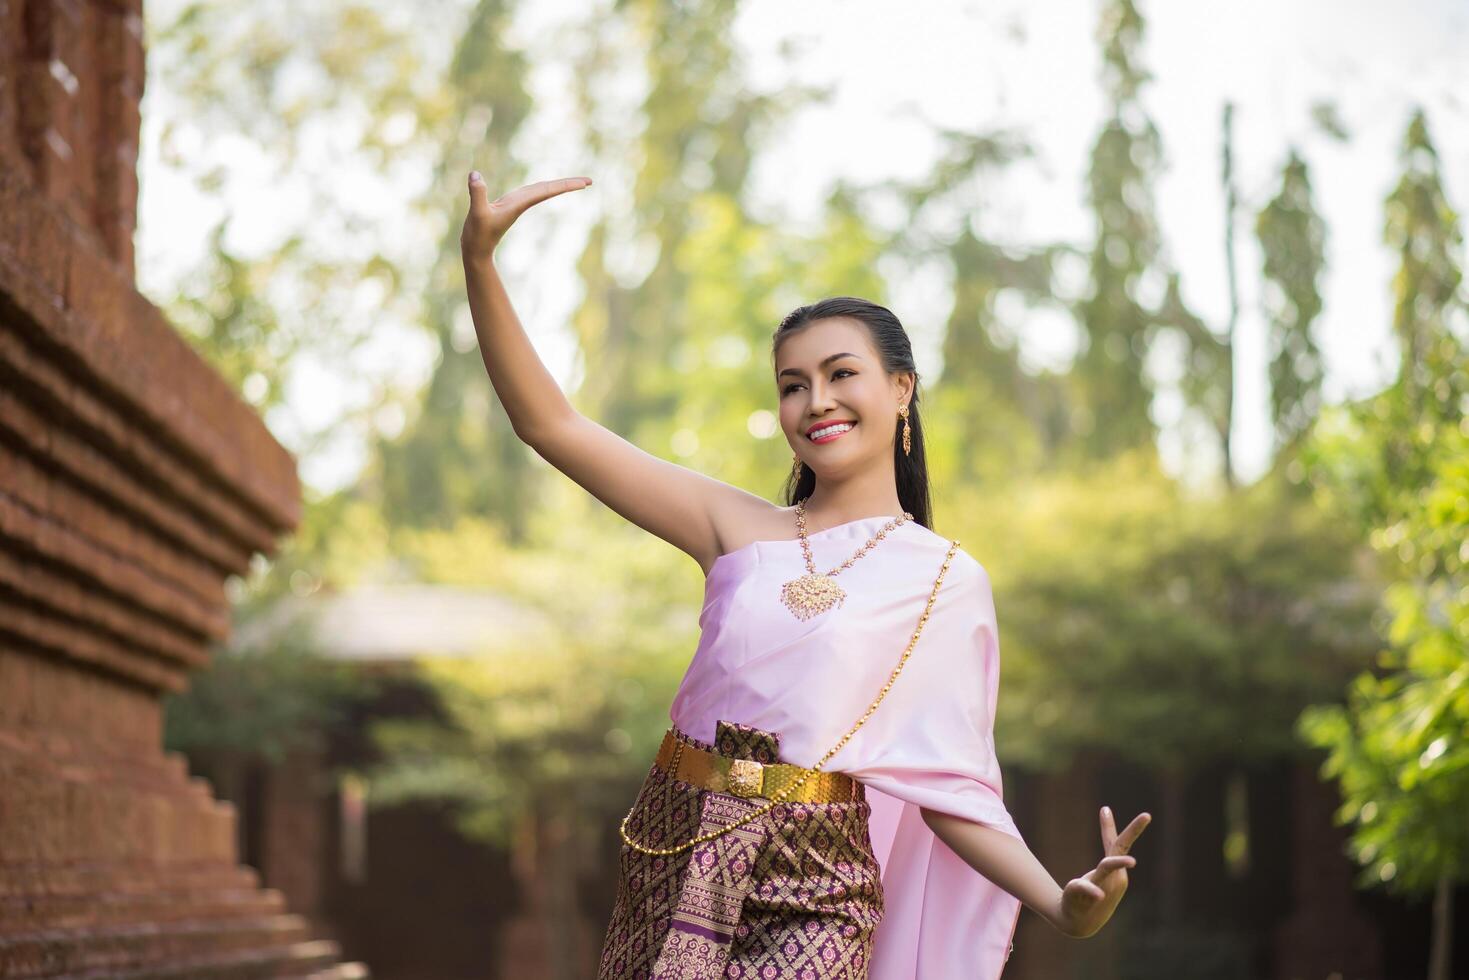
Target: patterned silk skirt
x,y
794,894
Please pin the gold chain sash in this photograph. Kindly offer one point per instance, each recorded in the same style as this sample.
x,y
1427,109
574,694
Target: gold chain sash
x,y
785,791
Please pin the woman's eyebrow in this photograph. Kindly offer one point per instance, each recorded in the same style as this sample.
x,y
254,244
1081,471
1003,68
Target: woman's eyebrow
x,y
824,363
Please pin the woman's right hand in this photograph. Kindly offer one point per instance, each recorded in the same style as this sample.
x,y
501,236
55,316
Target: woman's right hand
x,y
487,221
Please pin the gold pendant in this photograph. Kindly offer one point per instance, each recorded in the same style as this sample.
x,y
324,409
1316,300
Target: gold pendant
x,y
811,595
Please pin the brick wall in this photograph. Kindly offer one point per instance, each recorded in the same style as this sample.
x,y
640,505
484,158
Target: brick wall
x,y
133,482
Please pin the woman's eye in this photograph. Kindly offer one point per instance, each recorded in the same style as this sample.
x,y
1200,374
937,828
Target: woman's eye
x,y
835,374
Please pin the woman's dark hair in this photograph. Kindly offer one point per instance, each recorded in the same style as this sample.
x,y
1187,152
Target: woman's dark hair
x,y
891,342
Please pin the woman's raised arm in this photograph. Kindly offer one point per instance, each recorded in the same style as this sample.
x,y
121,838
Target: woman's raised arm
x,y
682,506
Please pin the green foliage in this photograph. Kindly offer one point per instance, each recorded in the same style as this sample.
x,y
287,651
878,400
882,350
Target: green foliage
x,y
1423,229
334,106
1399,747
1112,412
1397,466
266,700
1167,628
263,702
694,152
1293,241
558,723
988,417
458,456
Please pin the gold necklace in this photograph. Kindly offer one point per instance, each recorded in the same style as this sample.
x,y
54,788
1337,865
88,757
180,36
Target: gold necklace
x,y
815,593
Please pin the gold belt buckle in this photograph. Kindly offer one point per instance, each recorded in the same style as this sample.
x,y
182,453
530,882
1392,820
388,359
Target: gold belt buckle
x,y
746,777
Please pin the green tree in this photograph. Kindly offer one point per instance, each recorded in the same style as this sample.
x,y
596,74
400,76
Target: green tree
x,y
1424,231
1293,242
1168,629
241,95
694,137
263,702
1398,466
993,419
1114,393
458,456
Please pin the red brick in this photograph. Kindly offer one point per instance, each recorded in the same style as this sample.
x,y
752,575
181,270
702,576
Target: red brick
x,y
132,479
39,242
43,536
100,424
11,24
114,533
89,468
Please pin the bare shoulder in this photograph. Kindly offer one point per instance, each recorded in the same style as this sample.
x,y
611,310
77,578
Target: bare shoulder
x,y
743,518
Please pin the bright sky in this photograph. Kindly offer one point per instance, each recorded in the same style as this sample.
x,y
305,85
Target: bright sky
x,y
1002,63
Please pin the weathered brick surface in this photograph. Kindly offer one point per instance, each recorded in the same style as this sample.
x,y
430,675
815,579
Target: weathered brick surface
x,y
98,474
11,36
44,695
116,531
133,482
59,544
48,390
119,56
116,347
53,593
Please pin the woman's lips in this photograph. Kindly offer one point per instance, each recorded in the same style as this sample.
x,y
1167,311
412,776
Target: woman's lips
x,y
821,435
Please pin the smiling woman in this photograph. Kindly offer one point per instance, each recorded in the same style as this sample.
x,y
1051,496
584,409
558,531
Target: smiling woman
x,y
827,800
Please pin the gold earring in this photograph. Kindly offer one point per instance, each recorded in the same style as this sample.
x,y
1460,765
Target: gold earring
x,y
796,469
907,438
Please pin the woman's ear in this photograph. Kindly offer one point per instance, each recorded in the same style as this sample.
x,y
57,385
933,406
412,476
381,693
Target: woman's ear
x,y
906,382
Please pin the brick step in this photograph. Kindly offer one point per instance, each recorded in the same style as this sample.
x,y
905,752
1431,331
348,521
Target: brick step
x,y
121,948
148,775
342,971
310,958
37,913
48,819
27,880
61,747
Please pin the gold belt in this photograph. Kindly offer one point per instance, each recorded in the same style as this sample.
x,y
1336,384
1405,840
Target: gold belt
x,y
748,778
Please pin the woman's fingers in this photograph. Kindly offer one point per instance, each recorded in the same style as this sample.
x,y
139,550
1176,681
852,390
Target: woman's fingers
x,y
523,198
479,194
550,188
1132,832
1115,843
1113,862
1088,887
488,220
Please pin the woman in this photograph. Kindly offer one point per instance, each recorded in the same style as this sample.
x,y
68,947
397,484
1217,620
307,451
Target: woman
x,y
827,801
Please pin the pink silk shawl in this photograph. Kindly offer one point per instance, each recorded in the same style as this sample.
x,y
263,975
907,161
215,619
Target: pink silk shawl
x,y
929,743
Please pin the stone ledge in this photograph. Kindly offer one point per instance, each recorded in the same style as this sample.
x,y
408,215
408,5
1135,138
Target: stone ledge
x,y
74,462
88,312
126,947
81,413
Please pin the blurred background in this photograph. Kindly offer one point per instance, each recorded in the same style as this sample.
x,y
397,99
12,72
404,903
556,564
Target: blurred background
x,y
1186,288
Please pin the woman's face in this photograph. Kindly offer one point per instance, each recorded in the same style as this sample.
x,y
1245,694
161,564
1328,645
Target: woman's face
x,y
828,371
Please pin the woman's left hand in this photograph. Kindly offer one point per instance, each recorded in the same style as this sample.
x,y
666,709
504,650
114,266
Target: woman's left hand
x,y
1089,901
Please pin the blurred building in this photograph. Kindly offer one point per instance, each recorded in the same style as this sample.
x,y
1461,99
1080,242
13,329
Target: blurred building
x,y
133,482
399,886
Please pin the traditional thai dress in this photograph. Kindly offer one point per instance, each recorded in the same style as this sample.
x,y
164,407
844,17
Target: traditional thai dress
x,y
816,891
